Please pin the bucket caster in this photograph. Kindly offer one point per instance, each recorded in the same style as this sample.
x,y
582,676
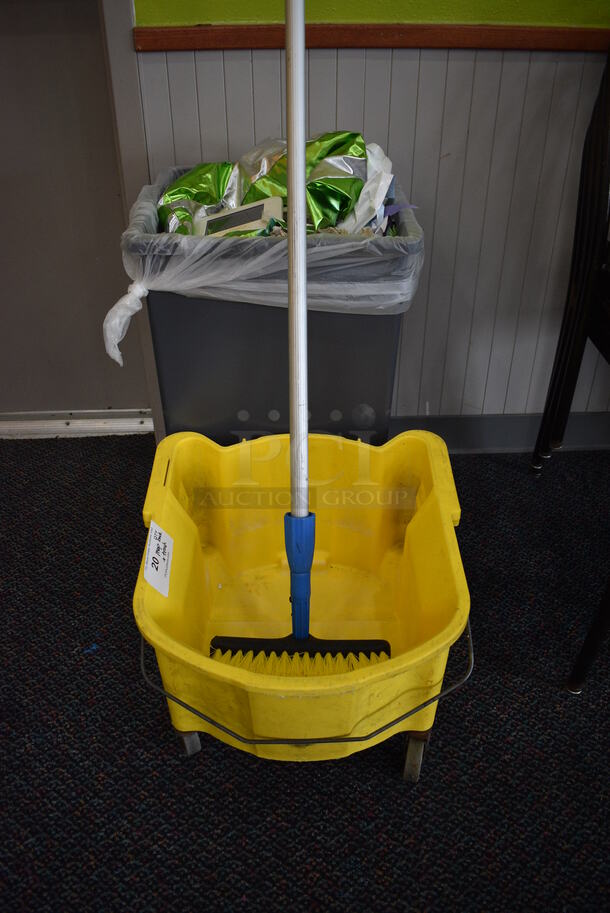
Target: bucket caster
x,y
191,743
414,756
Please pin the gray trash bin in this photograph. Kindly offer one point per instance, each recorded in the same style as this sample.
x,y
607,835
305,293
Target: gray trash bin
x,y
219,320
223,368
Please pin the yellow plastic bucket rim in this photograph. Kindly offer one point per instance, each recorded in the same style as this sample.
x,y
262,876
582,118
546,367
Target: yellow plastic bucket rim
x,y
443,482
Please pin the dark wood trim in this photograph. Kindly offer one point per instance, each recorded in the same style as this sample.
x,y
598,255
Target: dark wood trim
x,y
372,35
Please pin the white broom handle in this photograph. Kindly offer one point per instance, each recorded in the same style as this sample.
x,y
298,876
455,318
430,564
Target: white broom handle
x,y
297,256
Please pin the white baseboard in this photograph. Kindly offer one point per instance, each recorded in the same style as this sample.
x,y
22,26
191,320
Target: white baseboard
x,y
75,424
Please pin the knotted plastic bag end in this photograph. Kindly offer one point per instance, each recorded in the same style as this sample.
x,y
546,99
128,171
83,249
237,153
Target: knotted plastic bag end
x,y
118,318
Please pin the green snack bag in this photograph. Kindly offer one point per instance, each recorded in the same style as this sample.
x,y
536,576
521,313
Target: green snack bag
x,y
336,173
204,185
336,170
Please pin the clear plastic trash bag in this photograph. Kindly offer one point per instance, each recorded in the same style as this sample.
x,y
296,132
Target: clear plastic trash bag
x,y
348,274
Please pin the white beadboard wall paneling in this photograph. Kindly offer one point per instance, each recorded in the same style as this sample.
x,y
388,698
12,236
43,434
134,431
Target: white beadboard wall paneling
x,y
156,105
487,145
238,97
475,190
599,399
566,89
378,75
584,385
185,108
266,78
213,134
509,119
404,82
558,274
322,91
403,110
426,159
456,114
518,240
350,89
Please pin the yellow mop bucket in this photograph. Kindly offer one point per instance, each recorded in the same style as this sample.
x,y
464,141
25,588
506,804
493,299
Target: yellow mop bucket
x,y
358,539
386,565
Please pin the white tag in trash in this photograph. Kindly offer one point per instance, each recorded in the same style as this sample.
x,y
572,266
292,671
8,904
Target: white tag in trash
x,y
158,561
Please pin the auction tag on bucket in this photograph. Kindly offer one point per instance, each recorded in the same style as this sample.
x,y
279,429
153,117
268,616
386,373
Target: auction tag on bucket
x,y
158,561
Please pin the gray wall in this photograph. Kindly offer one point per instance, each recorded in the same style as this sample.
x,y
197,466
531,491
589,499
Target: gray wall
x,y
61,264
488,146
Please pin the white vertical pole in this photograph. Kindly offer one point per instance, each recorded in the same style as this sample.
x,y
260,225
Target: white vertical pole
x,y
297,256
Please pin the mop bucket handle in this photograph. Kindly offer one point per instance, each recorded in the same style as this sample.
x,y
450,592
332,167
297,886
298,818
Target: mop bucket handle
x,y
445,692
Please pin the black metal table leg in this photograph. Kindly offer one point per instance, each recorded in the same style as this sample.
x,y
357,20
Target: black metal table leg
x,y
597,633
588,258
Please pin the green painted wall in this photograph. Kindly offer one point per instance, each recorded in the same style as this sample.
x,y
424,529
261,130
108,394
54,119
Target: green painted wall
x,y
514,12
